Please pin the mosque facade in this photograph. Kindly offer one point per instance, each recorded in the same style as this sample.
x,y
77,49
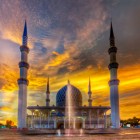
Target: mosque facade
x,y
54,116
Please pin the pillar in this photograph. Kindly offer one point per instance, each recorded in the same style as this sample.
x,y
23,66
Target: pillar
x,y
23,82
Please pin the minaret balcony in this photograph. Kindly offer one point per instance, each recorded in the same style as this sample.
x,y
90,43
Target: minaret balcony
x,y
114,82
24,48
113,65
47,100
48,92
23,81
112,49
23,64
89,93
89,100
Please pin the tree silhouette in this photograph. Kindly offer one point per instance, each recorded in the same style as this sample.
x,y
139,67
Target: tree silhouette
x,y
134,121
9,123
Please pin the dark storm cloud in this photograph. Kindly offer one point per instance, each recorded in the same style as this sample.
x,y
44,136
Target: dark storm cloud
x,y
126,21
63,20
70,16
62,70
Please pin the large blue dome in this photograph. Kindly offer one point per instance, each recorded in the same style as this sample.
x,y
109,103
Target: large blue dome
x,y
76,96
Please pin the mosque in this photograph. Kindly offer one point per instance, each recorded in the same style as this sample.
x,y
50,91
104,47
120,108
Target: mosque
x,y
54,117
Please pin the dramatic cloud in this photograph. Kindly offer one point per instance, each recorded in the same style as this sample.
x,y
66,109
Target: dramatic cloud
x,y
69,39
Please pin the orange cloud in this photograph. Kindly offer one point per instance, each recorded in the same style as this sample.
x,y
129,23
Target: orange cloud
x,y
128,88
86,35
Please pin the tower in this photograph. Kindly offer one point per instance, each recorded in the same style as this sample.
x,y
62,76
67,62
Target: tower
x,y
114,82
22,81
48,93
89,94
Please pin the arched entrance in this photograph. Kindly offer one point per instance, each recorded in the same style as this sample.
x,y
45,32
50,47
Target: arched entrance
x,y
60,125
78,123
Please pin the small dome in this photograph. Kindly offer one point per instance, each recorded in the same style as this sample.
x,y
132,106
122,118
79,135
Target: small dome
x,y
76,96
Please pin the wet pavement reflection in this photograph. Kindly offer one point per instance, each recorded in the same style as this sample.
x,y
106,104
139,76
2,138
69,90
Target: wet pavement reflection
x,y
128,134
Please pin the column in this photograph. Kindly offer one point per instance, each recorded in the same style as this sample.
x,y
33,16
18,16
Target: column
x,y
74,123
23,81
64,124
32,120
83,123
90,126
98,118
105,126
40,114
54,122
114,82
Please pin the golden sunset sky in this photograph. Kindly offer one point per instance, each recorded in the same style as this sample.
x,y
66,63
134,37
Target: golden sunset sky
x,y
69,39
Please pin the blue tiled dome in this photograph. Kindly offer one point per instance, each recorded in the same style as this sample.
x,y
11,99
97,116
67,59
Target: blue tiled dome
x,y
76,96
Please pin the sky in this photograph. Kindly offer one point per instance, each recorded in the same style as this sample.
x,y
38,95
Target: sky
x,y
69,39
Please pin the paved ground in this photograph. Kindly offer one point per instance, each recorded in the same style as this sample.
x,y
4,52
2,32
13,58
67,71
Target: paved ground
x,y
125,134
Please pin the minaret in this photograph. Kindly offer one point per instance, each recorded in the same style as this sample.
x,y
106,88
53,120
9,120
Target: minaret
x,y
22,81
48,93
89,94
114,82
68,81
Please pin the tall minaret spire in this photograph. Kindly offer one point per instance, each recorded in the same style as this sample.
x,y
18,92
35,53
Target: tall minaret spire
x,y
22,81
25,37
68,81
112,38
48,93
89,86
89,94
114,82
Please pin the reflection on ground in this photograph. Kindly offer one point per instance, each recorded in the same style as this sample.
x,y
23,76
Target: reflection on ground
x,y
125,134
